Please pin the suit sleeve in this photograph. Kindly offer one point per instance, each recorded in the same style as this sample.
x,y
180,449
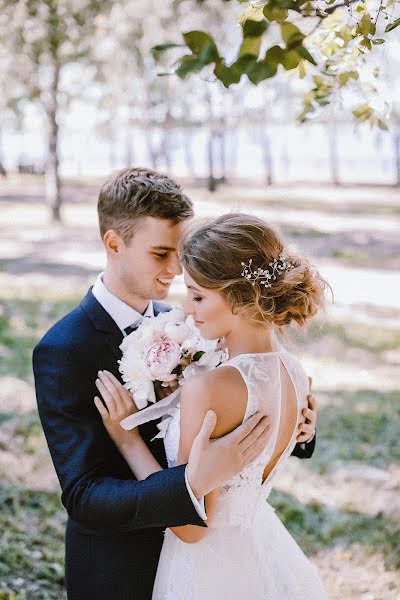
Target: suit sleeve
x,y
305,450
78,444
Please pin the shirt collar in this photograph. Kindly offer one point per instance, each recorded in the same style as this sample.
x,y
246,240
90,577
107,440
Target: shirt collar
x,y
123,314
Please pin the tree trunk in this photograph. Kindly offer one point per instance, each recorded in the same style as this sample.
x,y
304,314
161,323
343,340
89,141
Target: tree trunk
x,y
397,155
3,172
266,148
166,140
333,152
212,184
187,148
222,155
129,154
52,176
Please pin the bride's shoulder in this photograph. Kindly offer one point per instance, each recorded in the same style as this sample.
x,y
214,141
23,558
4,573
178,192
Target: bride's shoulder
x,y
221,390
220,380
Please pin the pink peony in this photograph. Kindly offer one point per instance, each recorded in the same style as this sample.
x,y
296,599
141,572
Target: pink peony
x,y
162,357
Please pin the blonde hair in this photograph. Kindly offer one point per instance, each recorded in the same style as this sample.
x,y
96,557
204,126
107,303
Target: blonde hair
x,y
213,255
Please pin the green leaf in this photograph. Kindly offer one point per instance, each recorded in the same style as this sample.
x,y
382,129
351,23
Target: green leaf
x,y
392,26
363,112
255,13
290,59
197,41
304,53
366,43
344,77
258,71
291,34
378,41
227,75
274,55
166,46
251,46
254,28
365,26
302,69
189,64
382,125
274,13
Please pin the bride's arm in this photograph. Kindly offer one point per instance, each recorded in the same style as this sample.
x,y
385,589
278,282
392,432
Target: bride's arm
x,y
130,443
224,392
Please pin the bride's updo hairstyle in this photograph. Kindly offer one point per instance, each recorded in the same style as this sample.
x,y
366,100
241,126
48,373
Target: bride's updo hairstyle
x,y
216,253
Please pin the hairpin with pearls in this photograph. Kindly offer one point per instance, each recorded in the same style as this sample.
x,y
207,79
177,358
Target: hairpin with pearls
x,y
265,277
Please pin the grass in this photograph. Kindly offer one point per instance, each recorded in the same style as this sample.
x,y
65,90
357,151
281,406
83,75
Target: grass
x,y
374,339
31,544
22,323
364,427
316,527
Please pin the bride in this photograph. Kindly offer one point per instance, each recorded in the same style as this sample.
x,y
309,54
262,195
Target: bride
x,y
241,283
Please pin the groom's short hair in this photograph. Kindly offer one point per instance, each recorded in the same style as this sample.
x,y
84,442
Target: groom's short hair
x,y
133,193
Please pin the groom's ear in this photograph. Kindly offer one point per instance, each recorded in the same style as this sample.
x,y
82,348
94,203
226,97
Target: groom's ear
x,y
112,242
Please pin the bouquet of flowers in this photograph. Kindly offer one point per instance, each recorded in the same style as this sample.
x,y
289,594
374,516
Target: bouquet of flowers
x,y
165,348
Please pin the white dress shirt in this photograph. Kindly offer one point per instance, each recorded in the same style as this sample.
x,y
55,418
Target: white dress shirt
x,y
124,316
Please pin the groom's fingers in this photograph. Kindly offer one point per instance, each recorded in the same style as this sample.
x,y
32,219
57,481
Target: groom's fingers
x,y
208,426
312,403
306,428
255,448
251,430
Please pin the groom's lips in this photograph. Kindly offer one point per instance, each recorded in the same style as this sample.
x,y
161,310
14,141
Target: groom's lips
x,y
165,283
199,323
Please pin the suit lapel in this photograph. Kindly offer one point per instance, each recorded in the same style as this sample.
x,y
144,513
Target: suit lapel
x,y
103,322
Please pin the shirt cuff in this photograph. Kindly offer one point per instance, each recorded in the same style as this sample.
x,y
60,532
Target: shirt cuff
x,y
198,503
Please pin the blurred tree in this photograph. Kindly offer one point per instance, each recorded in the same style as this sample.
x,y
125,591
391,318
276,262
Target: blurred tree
x,y
42,38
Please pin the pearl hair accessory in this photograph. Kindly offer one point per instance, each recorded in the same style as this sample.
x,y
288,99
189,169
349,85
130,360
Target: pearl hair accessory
x,y
265,277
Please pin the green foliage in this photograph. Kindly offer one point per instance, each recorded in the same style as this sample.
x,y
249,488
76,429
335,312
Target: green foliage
x,y
343,33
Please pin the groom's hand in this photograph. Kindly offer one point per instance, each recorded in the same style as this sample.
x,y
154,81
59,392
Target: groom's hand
x,y
309,422
213,462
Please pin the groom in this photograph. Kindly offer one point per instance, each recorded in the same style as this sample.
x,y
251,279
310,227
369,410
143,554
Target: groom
x,y
114,530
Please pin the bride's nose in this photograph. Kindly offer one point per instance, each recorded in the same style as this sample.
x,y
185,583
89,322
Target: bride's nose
x,y
188,307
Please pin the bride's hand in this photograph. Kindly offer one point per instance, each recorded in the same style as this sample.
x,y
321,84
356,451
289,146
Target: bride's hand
x,y
117,405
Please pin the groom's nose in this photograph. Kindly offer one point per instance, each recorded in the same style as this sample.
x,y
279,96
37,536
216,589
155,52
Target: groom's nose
x,y
174,265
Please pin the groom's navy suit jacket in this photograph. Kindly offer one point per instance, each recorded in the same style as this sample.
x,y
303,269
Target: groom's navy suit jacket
x,y
115,524
114,530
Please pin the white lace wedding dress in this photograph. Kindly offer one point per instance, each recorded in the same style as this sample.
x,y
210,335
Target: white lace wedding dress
x,y
247,553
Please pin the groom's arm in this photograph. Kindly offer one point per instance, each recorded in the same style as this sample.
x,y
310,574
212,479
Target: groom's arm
x,y
78,445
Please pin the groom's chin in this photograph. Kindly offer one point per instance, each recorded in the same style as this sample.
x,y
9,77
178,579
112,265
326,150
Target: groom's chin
x,y
160,293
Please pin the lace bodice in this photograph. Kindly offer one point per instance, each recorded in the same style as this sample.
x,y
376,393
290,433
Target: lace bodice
x,y
261,374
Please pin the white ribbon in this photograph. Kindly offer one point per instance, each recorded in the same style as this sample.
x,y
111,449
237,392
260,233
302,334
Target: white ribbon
x,y
155,411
